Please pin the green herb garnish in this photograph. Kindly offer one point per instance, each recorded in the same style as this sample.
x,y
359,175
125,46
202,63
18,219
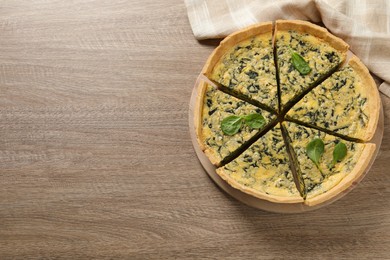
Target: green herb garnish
x,y
339,153
232,124
314,151
300,64
256,121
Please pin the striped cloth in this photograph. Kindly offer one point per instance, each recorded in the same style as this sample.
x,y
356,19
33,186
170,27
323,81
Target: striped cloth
x,y
363,24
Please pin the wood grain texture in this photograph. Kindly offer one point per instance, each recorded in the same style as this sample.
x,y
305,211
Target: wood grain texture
x,y
96,159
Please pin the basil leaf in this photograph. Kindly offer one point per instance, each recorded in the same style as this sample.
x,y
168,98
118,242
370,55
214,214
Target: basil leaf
x,y
314,150
254,120
300,64
339,153
231,125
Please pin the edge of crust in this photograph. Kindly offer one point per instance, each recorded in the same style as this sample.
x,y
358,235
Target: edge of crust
x,y
293,199
198,112
347,181
310,28
202,87
232,40
372,93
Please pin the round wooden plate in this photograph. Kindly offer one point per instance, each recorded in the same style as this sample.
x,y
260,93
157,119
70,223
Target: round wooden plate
x,y
264,204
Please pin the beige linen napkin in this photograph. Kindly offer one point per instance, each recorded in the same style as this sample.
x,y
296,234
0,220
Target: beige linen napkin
x,y
363,24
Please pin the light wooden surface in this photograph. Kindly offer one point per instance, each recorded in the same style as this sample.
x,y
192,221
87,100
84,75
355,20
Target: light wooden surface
x,y
96,159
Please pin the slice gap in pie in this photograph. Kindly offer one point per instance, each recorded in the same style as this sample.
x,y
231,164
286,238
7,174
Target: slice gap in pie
x,y
212,107
320,50
294,164
263,170
243,64
347,103
324,185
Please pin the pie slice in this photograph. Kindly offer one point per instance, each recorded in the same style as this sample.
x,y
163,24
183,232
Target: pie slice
x,y
322,186
322,52
263,170
244,65
346,103
213,106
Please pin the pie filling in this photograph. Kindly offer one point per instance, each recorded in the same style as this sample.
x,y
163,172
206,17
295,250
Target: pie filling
x,y
217,106
264,167
318,180
248,71
321,58
339,104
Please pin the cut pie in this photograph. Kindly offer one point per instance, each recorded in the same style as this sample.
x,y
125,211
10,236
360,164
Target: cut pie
x,y
310,98
263,170
213,107
244,65
326,181
322,52
346,103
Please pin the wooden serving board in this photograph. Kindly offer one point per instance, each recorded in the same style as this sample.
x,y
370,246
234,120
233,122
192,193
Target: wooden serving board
x,y
264,204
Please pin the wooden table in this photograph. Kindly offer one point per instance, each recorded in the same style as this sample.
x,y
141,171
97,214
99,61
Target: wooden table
x,y
96,159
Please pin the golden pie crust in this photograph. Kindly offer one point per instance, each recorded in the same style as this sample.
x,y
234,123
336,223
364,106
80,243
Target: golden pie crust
x,y
312,29
232,40
372,92
255,193
202,87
